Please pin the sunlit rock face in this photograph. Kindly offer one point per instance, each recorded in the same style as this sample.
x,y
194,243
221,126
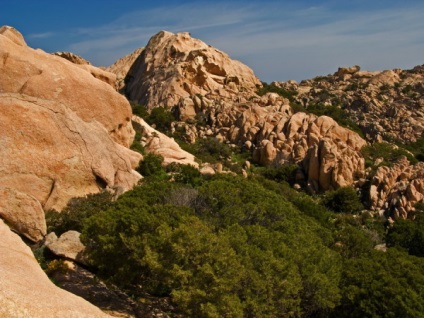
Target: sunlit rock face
x,y
65,134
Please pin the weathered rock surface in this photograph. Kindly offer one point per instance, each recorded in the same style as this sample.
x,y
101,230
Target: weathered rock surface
x,y
26,291
395,190
23,213
173,67
64,133
68,245
160,144
103,75
51,154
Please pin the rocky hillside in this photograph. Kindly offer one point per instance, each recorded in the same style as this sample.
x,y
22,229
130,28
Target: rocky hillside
x,y
176,70
216,96
387,105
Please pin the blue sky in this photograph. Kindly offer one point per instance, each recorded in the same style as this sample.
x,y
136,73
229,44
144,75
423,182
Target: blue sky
x,y
279,40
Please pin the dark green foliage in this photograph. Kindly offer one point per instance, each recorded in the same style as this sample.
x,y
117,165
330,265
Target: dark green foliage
x,y
388,152
417,148
408,235
139,110
77,210
151,165
343,200
209,150
281,173
186,174
161,117
382,285
232,248
136,145
267,88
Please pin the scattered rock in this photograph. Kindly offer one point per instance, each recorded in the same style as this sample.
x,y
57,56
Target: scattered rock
x,y
68,245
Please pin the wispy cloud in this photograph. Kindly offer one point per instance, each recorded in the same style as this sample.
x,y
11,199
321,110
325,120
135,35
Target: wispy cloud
x,y
43,35
279,41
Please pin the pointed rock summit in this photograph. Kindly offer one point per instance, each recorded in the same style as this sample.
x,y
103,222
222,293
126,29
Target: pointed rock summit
x,y
173,67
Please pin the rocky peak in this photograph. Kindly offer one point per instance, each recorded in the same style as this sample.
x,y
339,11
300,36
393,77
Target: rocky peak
x,y
176,66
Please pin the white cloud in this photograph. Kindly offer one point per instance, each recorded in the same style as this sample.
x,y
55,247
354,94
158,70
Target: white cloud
x,y
44,35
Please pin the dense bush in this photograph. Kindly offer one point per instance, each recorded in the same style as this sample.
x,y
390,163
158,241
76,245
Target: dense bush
x,y
281,173
234,247
151,165
408,235
236,250
161,117
382,285
76,212
343,200
209,150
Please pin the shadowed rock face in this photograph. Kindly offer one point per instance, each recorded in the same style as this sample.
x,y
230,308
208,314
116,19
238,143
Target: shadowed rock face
x,y
26,291
64,134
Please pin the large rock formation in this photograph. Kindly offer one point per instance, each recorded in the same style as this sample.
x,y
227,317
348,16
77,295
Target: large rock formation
x,y
204,83
64,134
26,291
176,66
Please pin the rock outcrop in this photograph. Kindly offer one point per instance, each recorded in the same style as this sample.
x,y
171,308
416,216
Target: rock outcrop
x,y
173,67
26,291
395,190
160,144
103,75
64,134
387,105
216,96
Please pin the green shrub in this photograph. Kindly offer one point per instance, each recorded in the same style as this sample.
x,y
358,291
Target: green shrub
x,y
343,200
161,117
139,110
151,165
136,145
209,150
232,249
281,173
408,235
76,211
390,154
186,174
267,88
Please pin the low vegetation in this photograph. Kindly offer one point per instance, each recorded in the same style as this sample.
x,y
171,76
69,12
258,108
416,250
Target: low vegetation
x,y
225,246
